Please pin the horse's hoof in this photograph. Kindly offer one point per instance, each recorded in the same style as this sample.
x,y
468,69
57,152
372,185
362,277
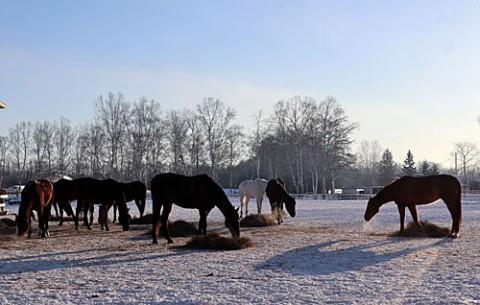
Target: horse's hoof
x,y
453,235
155,242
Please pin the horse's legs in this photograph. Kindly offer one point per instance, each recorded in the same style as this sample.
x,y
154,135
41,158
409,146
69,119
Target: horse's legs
x,y
241,204
167,208
86,207
413,212
156,206
455,210
259,204
114,213
92,209
401,211
78,210
202,224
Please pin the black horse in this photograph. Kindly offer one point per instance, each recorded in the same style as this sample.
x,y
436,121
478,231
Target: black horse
x,y
65,191
134,190
105,192
197,192
278,195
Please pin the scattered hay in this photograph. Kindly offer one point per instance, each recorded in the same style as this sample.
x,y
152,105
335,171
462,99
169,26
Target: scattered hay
x,y
217,242
178,228
427,229
258,220
7,226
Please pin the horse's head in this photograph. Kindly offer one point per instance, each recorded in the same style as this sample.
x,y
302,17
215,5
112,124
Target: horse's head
x,y
232,222
372,208
290,205
124,219
22,225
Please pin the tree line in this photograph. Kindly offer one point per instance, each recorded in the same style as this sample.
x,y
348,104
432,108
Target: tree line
x,y
305,141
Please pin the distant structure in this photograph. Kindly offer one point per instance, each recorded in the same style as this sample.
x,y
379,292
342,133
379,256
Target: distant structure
x,y
2,105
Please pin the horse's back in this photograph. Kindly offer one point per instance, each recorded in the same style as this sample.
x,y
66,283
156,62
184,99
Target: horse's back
x,y
430,188
253,188
185,191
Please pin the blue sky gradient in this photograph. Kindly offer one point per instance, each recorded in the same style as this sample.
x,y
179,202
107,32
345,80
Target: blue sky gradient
x,y
407,71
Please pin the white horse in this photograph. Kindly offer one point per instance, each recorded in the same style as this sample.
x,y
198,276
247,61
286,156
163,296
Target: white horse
x,y
252,189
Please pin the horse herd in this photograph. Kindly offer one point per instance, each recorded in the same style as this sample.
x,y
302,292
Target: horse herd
x,y
203,193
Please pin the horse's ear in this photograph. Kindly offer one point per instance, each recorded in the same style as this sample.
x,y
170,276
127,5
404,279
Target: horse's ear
x,y
236,210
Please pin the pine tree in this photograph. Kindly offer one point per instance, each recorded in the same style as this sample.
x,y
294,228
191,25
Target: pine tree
x,y
386,168
434,169
408,168
425,168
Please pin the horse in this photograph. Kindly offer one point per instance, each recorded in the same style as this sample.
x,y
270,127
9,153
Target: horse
x,y
65,190
37,195
191,192
278,195
135,190
252,189
104,192
412,191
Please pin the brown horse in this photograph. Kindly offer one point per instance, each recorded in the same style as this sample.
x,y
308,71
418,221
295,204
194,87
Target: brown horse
x,y
104,192
411,191
135,190
277,195
37,195
65,191
197,192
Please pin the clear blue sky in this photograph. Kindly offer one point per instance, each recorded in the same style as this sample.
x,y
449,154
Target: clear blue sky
x,y
407,71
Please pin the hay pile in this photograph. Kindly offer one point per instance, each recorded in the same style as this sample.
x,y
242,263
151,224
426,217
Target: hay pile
x,y
217,242
178,228
258,220
7,226
427,229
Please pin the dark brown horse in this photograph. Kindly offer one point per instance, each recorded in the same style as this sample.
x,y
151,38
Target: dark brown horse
x,y
412,191
65,191
135,190
37,195
197,192
104,192
277,195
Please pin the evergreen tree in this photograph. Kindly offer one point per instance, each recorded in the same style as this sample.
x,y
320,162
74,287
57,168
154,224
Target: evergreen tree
x,y
425,168
434,169
386,168
408,168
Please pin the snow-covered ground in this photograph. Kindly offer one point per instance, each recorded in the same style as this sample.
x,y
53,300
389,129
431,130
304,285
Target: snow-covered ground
x,y
326,255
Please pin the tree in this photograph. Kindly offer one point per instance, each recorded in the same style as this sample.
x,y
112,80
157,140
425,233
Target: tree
x,y
195,142
176,128
429,168
467,154
3,158
113,116
408,167
64,139
20,138
368,157
255,140
215,122
386,168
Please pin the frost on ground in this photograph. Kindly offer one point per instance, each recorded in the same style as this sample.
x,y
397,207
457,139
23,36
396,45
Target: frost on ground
x,y
326,255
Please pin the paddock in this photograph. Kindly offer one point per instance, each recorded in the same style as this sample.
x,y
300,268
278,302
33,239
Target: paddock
x,y
326,254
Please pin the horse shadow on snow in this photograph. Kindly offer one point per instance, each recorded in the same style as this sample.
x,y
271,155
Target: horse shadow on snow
x,y
330,257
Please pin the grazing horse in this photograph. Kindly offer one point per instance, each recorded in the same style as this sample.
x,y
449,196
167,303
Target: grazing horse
x,y
277,195
252,189
104,192
411,191
135,190
37,195
197,192
65,190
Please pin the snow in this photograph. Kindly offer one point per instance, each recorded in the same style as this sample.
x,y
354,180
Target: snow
x,y
327,254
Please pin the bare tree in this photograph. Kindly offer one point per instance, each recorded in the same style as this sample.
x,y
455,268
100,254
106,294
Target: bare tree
x,y
43,145
3,158
145,117
368,158
260,132
64,140
113,115
467,154
176,129
20,142
195,142
235,149
215,121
